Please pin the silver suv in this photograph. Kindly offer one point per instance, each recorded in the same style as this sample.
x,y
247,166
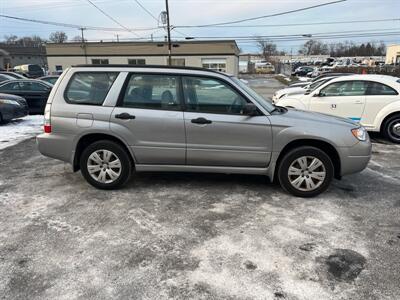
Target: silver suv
x,y
109,121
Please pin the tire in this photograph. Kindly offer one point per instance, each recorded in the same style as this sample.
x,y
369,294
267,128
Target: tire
x,y
112,166
391,129
310,182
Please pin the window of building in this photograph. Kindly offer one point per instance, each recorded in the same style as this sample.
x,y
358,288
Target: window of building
x,y
90,88
99,61
208,95
152,92
178,62
215,64
59,68
135,61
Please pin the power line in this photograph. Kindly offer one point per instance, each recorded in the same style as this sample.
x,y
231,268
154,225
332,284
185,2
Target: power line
x,y
146,10
76,26
298,24
268,16
111,18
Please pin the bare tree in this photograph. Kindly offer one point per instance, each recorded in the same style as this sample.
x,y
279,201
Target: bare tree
x,y
313,47
58,37
10,39
78,38
267,47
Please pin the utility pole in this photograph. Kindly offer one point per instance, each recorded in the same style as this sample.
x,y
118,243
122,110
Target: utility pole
x,y
169,34
83,44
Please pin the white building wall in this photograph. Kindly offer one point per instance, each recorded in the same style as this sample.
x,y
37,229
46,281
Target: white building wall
x,y
232,62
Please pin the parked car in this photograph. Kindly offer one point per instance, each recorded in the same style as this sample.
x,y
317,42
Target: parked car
x,y
34,91
169,119
4,77
371,100
30,71
13,75
290,91
12,107
302,71
323,75
50,79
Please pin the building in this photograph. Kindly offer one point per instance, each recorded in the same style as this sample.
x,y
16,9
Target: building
x,y
215,55
12,55
393,55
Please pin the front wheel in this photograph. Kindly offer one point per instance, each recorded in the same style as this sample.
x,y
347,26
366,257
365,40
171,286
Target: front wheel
x,y
106,165
305,171
391,129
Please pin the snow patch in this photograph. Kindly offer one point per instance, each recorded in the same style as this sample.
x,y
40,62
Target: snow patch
x,y
19,130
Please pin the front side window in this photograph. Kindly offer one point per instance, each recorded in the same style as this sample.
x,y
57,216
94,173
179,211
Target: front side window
x,y
90,88
345,88
209,95
152,92
376,88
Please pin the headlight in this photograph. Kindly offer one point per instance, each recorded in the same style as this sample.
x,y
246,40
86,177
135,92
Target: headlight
x,y
5,101
360,133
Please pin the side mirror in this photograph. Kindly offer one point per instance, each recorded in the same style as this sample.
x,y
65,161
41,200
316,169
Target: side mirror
x,y
250,109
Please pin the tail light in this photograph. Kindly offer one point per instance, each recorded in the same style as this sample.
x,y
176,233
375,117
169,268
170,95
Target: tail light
x,y
47,119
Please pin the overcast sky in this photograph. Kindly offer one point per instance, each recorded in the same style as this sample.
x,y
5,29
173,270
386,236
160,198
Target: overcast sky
x,y
194,12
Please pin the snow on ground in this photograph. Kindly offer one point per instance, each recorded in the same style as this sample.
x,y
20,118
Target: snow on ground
x,y
18,130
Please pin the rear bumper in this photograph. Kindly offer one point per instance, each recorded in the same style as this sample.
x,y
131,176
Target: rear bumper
x,y
356,158
55,146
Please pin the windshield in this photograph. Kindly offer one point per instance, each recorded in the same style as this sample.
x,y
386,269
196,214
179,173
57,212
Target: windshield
x,y
260,100
316,84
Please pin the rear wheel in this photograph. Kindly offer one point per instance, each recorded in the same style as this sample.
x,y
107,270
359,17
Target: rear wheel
x,y
106,165
391,129
305,171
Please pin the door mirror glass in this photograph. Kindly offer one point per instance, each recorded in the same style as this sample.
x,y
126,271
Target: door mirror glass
x,y
250,109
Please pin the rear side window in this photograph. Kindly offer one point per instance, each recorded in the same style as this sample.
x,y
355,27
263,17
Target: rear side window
x,y
152,92
90,88
376,88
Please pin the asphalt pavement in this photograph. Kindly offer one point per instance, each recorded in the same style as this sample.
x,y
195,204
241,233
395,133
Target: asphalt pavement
x,y
196,236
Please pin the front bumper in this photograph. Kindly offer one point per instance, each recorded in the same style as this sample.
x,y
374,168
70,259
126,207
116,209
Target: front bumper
x,y
356,158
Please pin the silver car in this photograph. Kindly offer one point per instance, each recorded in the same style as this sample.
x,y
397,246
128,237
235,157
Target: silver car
x,y
111,121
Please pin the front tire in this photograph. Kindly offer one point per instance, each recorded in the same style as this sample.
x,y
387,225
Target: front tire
x,y
305,171
106,165
391,129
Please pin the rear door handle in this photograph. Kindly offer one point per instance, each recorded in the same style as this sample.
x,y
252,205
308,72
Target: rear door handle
x,y
125,116
201,121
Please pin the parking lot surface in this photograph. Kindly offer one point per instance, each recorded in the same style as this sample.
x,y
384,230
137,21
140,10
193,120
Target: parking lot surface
x,y
196,236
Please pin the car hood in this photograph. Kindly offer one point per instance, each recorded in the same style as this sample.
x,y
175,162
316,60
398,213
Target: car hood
x,y
319,118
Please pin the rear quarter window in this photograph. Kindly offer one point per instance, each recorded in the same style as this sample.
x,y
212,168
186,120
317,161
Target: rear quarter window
x,y
89,88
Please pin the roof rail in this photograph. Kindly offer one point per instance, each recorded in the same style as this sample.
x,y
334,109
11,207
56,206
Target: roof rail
x,y
148,66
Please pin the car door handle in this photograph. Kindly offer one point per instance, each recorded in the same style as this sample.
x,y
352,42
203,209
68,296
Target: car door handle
x,y
358,102
201,121
125,116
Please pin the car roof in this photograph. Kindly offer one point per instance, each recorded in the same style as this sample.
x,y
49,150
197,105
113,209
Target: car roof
x,y
183,68
374,77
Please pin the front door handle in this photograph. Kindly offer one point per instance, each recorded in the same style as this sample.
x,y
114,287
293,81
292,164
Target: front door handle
x,y
125,116
201,121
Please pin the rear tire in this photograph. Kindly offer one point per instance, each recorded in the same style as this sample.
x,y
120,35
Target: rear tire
x,y
305,171
106,165
391,129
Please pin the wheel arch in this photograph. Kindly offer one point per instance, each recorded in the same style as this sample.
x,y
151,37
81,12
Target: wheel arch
x,y
90,138
322,145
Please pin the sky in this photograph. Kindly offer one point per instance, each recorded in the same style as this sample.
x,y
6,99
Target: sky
x,y
130,15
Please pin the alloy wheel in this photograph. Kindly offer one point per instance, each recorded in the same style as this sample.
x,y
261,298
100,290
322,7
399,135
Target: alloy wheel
x,y
306,173
104,166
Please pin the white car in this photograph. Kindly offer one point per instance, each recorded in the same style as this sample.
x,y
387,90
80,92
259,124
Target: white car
x,y
371,100
290,91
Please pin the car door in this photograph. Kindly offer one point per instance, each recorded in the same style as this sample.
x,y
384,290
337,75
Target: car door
x,y
149,116
377,97
217,133
38,94
342,98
